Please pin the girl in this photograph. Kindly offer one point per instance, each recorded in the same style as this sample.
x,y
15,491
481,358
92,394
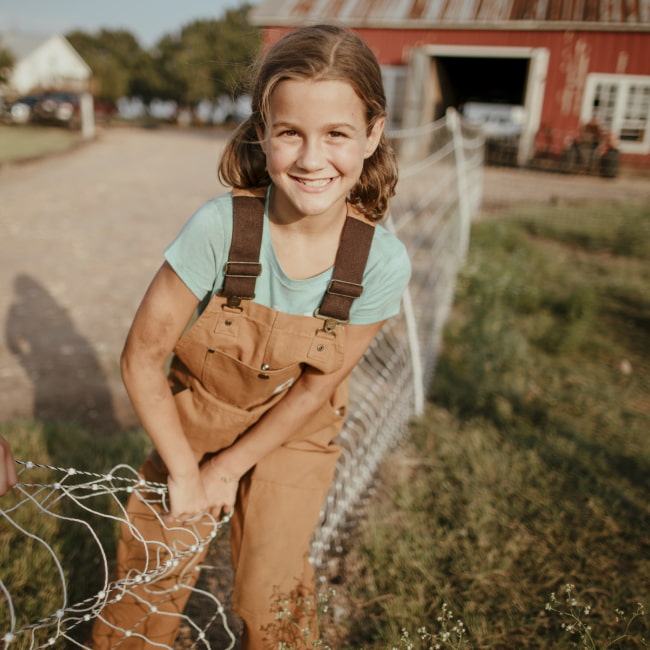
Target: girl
x,y
297,281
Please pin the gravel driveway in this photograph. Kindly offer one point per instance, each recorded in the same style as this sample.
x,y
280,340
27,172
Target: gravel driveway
x,y
82,234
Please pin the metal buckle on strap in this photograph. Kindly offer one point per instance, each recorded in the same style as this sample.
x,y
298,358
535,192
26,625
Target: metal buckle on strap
x,y
234,302
329,324
335,288
249,265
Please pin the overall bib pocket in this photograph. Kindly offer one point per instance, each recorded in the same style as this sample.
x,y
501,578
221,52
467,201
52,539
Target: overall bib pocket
x,y
246,387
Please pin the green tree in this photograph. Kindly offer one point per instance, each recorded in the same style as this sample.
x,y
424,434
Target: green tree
x,y
114,57
238,47
167,53
208,58
205,59
7,62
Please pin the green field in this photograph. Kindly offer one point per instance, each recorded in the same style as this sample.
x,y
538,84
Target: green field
x,y
531,469
19,143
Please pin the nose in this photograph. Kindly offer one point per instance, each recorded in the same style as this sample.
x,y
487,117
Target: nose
x,y
312,155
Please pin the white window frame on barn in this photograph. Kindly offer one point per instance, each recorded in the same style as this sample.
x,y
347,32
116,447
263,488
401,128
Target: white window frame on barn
x,y
621,104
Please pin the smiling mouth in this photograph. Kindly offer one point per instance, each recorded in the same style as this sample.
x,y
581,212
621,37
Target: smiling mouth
x,y
318,182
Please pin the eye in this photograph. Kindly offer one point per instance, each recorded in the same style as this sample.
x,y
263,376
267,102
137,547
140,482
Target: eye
x,y
288,133
337,134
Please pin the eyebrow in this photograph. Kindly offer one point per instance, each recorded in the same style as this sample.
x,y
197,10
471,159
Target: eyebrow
x,y
335,126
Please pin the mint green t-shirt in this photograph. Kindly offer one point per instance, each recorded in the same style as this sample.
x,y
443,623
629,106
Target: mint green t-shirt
x,y
199,252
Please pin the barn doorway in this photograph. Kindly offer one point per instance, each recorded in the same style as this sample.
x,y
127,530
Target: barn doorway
x,y
500,87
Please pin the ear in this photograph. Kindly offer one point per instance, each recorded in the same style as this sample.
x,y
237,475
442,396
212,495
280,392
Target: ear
x,y
374,137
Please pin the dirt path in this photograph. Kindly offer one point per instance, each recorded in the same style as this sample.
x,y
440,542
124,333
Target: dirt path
x,y
504,186
81,235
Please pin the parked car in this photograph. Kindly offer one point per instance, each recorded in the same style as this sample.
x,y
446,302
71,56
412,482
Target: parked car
x,y
496,120
58,108
20,111
502,124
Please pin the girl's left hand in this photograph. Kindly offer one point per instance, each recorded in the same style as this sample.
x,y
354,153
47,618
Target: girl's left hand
x,y
220,487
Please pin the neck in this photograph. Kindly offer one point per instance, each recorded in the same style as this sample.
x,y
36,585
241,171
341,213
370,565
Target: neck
x,y
306,224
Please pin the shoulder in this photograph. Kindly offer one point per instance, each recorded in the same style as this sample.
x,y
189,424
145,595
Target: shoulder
x,y
211,222
200,249
386,240
388,255
215,210
385,279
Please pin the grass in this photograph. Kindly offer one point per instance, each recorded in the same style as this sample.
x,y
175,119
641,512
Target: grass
x,y
28,570
531,467
20,143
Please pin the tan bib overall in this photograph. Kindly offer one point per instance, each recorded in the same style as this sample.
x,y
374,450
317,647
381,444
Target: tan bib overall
x,y
235,363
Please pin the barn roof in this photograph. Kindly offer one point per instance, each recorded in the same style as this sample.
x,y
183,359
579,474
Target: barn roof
x,y
593,15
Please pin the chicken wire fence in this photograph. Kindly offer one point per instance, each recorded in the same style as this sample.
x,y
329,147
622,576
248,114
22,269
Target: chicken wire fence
x,y
54,516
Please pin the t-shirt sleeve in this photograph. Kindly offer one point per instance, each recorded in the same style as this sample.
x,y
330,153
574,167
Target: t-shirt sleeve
x,y
385,279
199,251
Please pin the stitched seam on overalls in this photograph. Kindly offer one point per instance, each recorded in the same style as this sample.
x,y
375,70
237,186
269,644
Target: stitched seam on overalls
x,y
271,334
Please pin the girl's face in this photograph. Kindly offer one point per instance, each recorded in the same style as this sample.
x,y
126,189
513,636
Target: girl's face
x,y
315,143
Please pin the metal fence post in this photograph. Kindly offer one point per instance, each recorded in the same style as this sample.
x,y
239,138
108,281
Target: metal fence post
x,y
464,207
86,107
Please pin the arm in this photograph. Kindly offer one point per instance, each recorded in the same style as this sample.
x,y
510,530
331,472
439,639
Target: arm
x,y
8,475
159,322
286,418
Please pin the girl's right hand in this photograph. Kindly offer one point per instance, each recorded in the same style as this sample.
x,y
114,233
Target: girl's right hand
x,y
209,492
188,501
8,474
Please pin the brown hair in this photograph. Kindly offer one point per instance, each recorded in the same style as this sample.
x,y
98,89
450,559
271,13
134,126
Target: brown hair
x,y
319,52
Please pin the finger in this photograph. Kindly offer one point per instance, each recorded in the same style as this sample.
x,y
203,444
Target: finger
x,y
223,513
9,477
182,519
12,474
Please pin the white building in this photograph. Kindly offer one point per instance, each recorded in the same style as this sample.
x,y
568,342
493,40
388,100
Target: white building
x,y
44,63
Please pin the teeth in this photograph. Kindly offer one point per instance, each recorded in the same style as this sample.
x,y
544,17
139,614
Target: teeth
x,y
317,183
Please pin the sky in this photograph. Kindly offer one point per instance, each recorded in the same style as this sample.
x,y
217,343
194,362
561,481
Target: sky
x,y
147,20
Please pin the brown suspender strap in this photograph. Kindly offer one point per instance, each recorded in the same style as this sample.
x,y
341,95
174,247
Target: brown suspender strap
x,y
349,266
243,266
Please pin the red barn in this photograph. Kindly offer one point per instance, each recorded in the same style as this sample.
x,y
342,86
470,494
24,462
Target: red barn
x,y
556,69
